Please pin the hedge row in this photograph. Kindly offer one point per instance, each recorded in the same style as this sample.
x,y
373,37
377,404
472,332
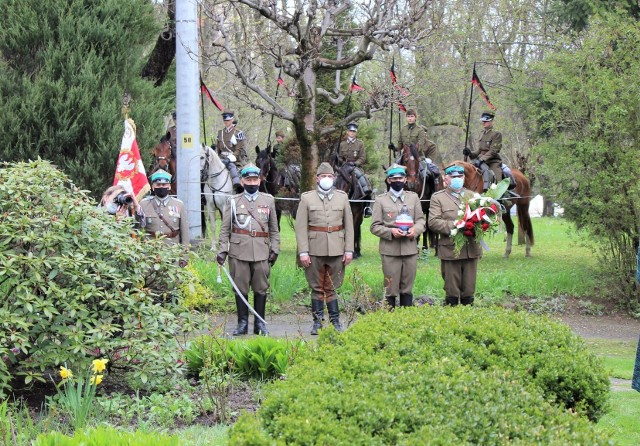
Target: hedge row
x,y
437,376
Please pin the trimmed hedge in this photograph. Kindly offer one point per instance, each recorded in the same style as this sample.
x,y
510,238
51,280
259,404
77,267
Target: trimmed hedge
x,y
437,376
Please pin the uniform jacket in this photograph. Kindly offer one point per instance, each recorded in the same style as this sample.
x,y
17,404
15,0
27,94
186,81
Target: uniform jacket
x,y
333,211
443,213
353,152
173,211
416,135
246,247
489,147
385,211
225,143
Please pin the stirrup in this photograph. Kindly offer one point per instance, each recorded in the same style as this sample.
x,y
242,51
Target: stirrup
x,y
368,212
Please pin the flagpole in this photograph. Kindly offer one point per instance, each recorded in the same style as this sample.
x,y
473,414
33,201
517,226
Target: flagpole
x,y
276,99
204,127
466,136
391,127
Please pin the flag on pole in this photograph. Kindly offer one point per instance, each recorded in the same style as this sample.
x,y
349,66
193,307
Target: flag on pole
x,y
401,106
475,80
355,87
130,172
205,91
281,82
394,80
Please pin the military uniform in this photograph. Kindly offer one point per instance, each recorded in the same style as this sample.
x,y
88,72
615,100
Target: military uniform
x,y
459,272
352,151
399,254
324,231
417,135
166,217
233,140
489,146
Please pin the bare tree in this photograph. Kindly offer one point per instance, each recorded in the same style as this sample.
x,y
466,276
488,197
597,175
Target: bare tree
x,y
303,39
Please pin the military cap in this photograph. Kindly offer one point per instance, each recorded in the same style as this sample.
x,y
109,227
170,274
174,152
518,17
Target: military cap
x,y
352,126
487,116
280,133
250,171
411,112
454,170
325,168
161,176
396,171
227,115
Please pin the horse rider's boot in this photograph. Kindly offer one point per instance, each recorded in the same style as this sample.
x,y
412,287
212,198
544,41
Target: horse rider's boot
x,y
486,176
451,301
406,300
259,304
233,171
317,311
334,314
466,300
391,302
243,317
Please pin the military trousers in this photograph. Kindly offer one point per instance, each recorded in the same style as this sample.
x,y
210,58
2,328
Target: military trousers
x,y
324,276
250,274
399,274
497,170
459,277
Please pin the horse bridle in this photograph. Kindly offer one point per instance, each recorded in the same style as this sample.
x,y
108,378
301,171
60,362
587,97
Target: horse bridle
x,y
205,176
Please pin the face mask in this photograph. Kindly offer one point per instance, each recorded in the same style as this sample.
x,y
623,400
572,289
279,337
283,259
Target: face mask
x,y
456,183
396,185
326,184
251,188
112,208
161,192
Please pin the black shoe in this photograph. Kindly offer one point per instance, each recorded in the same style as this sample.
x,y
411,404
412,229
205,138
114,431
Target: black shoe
x,y
406,300
317,310
334,314
451,300
466,300
243,317
260,303
242,328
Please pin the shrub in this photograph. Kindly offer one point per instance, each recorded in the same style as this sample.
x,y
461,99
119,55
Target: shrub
x,y
107,436
77,284
436,376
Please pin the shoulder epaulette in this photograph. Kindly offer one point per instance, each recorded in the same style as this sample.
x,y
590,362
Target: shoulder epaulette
x,y
177,199
307,192
339,191
439,192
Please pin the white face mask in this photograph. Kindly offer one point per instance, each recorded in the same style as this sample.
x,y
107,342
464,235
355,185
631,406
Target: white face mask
x,y
325,184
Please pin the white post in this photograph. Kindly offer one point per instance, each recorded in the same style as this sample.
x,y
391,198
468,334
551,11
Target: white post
x,y
187,111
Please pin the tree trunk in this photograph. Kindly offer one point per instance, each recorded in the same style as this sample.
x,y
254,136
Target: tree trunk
x,y
306,128
164,52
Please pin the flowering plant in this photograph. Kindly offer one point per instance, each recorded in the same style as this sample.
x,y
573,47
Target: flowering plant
x,y
478,215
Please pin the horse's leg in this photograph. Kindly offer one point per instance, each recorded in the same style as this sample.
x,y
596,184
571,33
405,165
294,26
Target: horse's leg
x,y
508,223
278,216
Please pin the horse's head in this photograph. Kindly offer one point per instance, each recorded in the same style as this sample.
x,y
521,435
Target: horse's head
x,y
411,160
162,154
269,175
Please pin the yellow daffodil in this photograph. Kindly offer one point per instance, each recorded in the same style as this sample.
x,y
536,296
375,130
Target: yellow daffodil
x,y
65,373
96,379
99,365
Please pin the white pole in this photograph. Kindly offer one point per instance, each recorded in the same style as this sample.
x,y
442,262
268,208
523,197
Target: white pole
x,y
187,111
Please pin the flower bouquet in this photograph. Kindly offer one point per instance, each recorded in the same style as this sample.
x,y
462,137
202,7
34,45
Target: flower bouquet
x,y
478,215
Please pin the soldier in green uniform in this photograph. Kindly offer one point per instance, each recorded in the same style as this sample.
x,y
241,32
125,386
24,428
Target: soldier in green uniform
x,y
398,247
488,154
231,146
458,271
324,232
353,154
279,147
165,215
249,237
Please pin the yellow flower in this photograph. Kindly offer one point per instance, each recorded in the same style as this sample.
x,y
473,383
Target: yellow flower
x,y
99,365
96,379
65,373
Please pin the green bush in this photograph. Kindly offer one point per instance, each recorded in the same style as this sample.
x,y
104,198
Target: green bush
x,y
436,376
107,436
260,357
77,284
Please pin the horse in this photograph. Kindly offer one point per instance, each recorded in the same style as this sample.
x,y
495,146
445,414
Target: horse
x,y
473,181
416,182
270,178
165,160
346,181
216,186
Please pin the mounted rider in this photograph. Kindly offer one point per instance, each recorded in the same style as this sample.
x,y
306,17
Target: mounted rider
x,y
353,156
231,146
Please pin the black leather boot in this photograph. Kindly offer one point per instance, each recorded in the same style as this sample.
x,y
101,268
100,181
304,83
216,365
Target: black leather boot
x,y
259,304
406,300
466,300
317,310
243,317
334,314
391,301
451,300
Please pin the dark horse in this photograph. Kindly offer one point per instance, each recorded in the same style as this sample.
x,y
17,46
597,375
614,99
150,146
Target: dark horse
x,y
424,187
473,181
346,181
270,178
165,160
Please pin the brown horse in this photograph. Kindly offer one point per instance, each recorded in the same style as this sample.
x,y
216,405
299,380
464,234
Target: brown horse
x,y
424,187
473,181
164,159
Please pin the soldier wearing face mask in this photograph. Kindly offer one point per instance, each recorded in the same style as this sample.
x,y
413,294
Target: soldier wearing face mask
x,y
324,232
458,271
398,220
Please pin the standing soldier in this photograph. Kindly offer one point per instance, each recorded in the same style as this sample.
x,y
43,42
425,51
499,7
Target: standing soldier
x,y
488,154
398,220
324,232
165,215
353,155
249,237
231,146
458,271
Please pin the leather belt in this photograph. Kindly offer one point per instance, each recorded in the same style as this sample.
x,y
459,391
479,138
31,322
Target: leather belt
x,y
172,234
328,229
251,233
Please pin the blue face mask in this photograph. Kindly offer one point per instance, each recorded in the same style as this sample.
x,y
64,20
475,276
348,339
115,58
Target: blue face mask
x,y
457,183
